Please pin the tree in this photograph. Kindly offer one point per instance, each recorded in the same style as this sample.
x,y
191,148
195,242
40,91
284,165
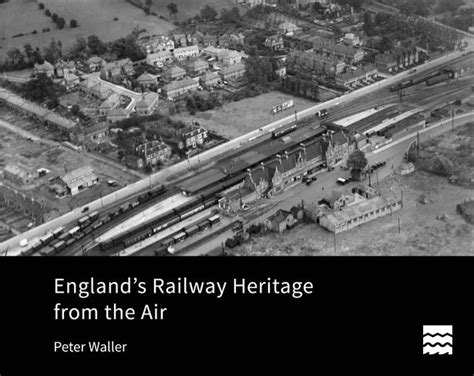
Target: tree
x,y
356,162
54,17
78,47
95,45
75,110
148,3
28,51
60,23
47,12
53,52
147,10
208,13
127,47
73,23
385,44
173,9
40,89
15,58
230,16
368,24
41,6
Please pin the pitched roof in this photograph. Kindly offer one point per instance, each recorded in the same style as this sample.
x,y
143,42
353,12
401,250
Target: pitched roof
x,y
78,175
147,100
186,82
209,76
46,66
15,170
95,60
198,64
146,77
280,216
175,70
233,68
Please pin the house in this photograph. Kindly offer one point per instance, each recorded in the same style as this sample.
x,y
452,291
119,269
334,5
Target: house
x,y
216,53
193,138
386,63
231,57
205,39
118,114
155,43
231,40
133,161
340,51
63,68
117,69
312,61
209,79
337,199
354,77
147,104
365,191
109,104
233,72
280,221
288,27
95,134
79,179
337,147
17,174
197,67
46,68
180,39
184,53
174,73
99,91
153,152
70,81
298,212
275,42
351,39
146,81
359,213
159,58
95,64
177,88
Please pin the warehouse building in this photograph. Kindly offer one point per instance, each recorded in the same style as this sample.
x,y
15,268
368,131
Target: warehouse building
x,y
79,179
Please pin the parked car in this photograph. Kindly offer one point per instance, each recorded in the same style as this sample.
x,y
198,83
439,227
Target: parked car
x,y
343,181
85,209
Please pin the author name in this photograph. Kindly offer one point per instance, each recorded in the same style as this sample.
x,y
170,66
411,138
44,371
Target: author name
x,y
91,347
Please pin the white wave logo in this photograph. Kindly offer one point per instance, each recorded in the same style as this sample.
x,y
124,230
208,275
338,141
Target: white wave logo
x,y
438,339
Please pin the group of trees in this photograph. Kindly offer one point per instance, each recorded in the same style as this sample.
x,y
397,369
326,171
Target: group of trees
x,y
300,87
260,70
59,21
196,102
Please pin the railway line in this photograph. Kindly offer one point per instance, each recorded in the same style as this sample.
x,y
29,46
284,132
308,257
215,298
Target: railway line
x,y
378,96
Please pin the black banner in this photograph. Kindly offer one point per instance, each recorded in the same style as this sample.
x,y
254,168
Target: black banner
x,y
327,316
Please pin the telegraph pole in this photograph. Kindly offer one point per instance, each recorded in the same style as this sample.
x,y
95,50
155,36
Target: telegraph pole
x,y
398,225
334,240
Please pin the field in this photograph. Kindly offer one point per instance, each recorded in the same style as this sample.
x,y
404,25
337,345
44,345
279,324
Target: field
x,y
237,118
93,16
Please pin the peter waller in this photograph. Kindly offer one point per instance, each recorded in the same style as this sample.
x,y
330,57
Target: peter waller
x,y
91,346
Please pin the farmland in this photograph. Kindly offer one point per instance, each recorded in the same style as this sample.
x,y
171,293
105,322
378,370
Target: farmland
x,y
94,17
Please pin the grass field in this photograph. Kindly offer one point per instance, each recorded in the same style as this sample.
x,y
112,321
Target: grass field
x,y
93,16
237,118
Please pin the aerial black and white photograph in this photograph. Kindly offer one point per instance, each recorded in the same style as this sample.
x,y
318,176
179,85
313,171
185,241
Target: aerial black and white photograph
x,y
236,127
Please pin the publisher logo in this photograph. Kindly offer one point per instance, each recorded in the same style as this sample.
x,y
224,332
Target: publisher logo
x,y
437,339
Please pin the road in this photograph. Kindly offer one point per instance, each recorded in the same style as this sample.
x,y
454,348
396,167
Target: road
x,y
12,244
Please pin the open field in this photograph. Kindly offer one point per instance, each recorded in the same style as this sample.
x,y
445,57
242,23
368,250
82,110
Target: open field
x,y
93,16
237,118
